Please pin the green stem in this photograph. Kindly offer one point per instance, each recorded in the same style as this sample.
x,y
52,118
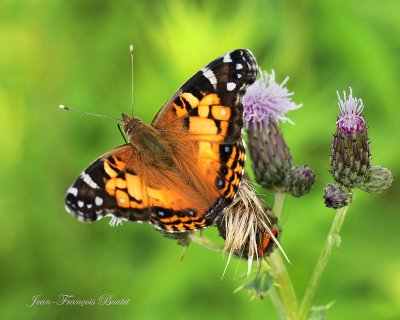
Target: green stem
x,y
276,301
204,242
333,238
284,285
278,203
281,275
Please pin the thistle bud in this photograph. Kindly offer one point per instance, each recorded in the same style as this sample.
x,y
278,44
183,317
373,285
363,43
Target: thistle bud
x,y
265,104
337,196
379,179
350,158
271,159
300,180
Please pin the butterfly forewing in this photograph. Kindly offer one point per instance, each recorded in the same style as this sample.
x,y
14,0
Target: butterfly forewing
x,y
201,128
210,102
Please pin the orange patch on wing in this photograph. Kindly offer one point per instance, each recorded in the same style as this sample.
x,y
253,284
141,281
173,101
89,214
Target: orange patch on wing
x,y
110,171
110,187
238,168
120,183
203,111
231,192
210,99
206,137
190,226
221,112
232,158
206,151
135,188
199,125
185,98
191,99
122,199
120,165
224,127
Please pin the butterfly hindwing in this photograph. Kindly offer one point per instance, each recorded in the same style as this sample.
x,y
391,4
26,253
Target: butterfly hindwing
x,y
111,185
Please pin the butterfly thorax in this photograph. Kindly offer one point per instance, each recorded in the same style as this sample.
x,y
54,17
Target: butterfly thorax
x,y
148,143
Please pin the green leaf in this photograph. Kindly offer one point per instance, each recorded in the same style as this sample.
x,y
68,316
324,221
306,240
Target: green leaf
x,y
260,286
320,313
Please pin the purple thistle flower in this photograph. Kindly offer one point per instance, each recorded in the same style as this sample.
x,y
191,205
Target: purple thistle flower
x,y
267,100
265,104
350,158
350,119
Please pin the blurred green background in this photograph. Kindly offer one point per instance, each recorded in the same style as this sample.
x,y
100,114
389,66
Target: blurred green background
x,y
76,53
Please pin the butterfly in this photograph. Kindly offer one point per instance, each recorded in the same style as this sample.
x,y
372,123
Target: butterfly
x,y
185,168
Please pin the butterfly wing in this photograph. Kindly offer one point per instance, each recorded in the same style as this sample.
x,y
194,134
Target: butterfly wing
x,y
111,185
209,104
202,123
118,185
205,117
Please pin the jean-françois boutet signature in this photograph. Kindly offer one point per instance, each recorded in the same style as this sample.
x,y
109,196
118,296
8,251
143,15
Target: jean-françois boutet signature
x,y
107,299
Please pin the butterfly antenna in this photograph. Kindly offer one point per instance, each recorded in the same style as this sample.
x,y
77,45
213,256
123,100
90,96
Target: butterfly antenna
x,y
64,107
131,53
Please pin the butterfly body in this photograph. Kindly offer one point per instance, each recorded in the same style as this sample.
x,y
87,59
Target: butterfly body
x,y
149,144
181,171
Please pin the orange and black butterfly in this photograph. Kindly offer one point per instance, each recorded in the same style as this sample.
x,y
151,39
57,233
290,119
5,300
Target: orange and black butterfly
x,y
181,171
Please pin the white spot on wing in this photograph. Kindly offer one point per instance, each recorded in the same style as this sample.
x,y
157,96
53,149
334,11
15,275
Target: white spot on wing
x,y
227,58
88,180
223,112
98,201
239,66
89,205
230,86
122,200
210,76
80,203
73,191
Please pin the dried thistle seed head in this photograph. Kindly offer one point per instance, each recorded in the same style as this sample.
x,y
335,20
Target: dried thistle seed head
x,y
337,196
248,226
350,158
379,179
300,180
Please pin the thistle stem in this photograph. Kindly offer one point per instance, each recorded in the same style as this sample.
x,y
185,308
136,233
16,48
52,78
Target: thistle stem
x,y
281,275
333,238
204,242
278,203
276,301
285,287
